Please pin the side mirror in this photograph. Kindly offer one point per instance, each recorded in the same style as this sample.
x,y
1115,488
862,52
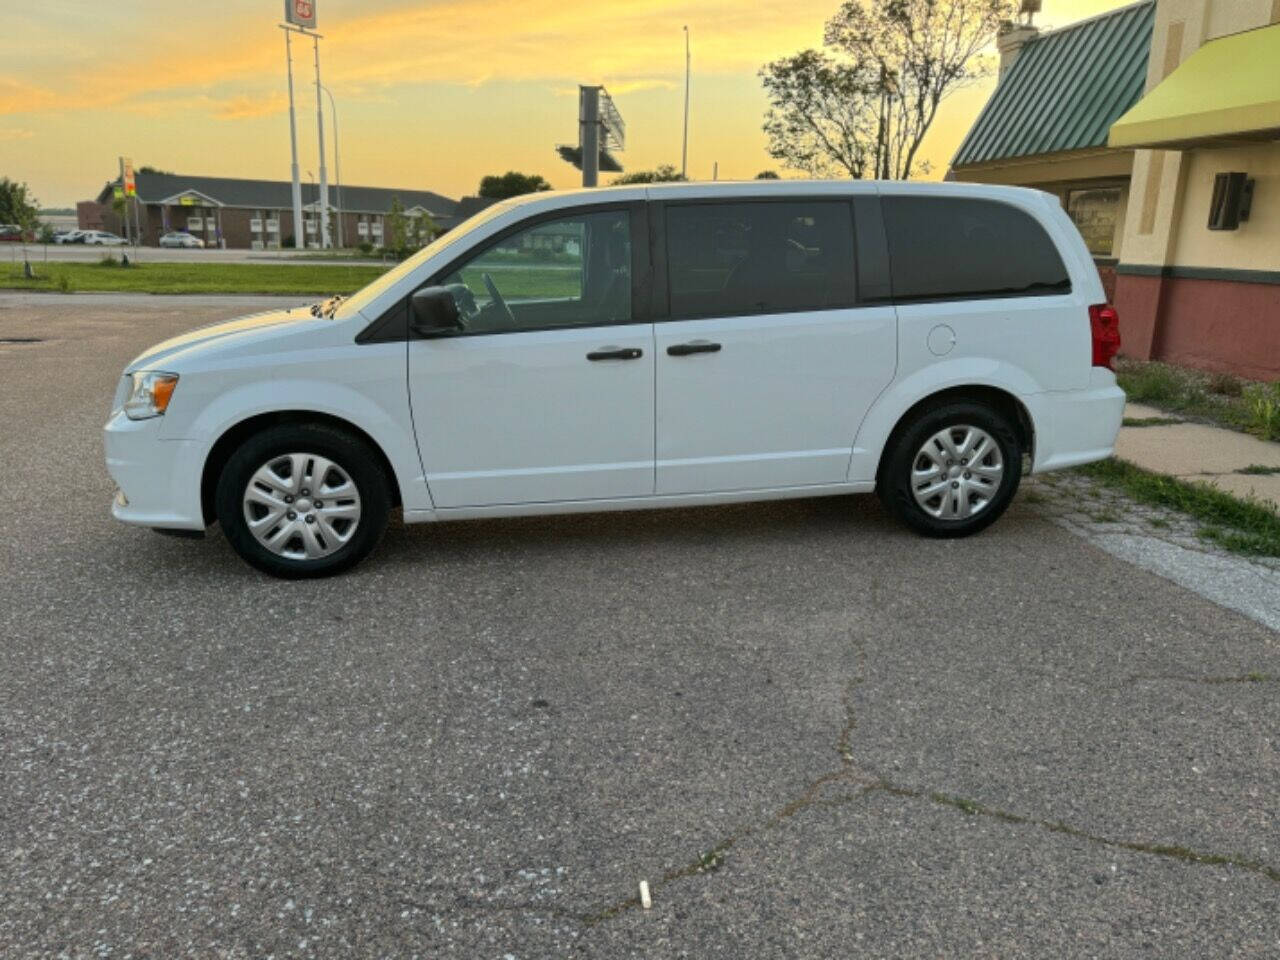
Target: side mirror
x,y
434,312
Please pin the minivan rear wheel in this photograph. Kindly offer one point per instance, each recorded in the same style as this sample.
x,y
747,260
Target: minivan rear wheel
x,y
303,500
952,471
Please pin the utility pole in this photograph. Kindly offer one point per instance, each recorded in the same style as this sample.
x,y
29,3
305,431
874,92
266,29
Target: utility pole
x,y
337,164
325,240
684,150
299,240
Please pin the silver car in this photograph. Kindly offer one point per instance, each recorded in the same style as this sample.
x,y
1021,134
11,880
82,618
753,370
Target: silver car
x,y
178,239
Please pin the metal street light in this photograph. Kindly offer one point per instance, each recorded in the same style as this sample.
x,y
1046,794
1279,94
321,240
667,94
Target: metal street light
x,y
337,161
312,178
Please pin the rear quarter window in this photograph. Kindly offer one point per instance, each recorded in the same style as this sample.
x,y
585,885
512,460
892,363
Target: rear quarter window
x,y
955,248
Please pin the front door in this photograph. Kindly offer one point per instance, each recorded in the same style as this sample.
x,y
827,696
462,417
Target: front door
x,y
547,394
768,361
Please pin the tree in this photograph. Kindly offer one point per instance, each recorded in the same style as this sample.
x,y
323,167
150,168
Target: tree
x,y
17,206
818,116
397,229
512,184
871,104
665,173
151,169
768,175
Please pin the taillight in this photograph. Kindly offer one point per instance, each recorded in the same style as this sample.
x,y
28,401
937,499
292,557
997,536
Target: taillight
x,y
1104,323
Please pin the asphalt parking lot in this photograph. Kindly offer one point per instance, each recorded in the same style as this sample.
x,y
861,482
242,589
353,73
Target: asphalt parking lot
x,y
811,732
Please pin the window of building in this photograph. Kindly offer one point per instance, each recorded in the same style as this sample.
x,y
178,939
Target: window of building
x,y
1096,214
734,259
570,272
949,248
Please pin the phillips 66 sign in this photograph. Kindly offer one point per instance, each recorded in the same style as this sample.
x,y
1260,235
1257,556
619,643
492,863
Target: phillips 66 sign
x,y
301,13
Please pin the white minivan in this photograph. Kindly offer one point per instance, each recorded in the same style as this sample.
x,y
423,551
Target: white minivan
x,y
646,346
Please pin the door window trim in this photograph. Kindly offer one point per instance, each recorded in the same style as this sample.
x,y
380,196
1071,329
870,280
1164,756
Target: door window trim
x,y
393,325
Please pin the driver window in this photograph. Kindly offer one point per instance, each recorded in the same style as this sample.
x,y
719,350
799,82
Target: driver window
x,y
560,273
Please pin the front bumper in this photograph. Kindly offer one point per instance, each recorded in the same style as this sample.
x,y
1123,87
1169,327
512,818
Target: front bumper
x,y
158,480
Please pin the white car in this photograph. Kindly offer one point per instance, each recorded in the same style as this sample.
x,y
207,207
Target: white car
x,y
646,346
179,239
103,238
68,236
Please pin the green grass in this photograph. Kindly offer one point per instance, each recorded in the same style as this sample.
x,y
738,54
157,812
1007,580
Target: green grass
x,y
1241,526
1220,399
194,278
1151,421
1258,470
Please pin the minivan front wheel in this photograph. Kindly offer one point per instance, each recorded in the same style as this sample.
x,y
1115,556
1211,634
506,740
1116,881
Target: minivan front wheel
x,y
952,471
302,500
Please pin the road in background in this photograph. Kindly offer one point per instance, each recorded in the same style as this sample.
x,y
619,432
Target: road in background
x,y
81,253
813,733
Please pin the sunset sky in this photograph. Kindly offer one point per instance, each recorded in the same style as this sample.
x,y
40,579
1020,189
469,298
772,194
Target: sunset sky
x,y
432,94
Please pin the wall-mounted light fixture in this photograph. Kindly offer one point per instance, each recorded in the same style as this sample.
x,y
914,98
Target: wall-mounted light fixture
x,y
1232,198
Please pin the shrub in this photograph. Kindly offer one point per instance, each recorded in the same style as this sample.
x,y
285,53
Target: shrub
x,y
1263,404
1225,384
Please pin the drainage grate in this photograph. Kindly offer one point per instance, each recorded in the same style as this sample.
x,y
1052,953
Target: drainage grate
x,y
20,340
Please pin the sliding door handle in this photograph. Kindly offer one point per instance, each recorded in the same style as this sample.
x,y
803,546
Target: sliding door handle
x,y
616,353
693,346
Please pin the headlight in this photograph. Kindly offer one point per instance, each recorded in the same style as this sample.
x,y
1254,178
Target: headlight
x,y
149,394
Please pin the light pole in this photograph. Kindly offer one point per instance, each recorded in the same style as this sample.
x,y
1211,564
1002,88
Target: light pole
x,y
311,178
684,150
299,241
337,161
324,176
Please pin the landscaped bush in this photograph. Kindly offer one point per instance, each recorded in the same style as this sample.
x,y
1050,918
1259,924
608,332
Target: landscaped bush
x,y
1262,400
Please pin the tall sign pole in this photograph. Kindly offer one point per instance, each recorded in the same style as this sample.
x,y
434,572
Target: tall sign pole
x,y
298,15
684,151
325,240
589,134
298,239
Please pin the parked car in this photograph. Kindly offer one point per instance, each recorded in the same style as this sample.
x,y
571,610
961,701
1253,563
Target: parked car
x,y
102,238
179,239
66,236
647,346
11,233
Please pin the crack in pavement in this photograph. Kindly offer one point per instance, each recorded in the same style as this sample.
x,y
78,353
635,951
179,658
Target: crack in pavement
x,y
1170,851
849,773
1213,681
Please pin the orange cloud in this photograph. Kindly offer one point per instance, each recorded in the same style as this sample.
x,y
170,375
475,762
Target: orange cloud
x,y
237,108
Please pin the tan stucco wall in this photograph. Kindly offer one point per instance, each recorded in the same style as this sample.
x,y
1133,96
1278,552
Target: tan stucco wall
x,y
1256,244
1166,213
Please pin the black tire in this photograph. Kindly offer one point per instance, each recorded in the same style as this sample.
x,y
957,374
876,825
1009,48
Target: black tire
x,y
349,453
895,482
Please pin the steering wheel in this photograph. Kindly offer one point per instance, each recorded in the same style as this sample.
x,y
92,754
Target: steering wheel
x,y
497,299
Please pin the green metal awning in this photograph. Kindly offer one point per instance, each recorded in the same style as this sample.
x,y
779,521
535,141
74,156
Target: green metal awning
x,y
1065,89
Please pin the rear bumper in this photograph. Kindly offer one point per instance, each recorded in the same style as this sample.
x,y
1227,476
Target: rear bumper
x,y
1078,426
158,480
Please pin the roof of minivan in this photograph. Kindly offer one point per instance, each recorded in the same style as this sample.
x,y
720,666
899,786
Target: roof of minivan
x,y
757,188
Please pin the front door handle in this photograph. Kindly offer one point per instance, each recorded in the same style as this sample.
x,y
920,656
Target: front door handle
x,y
616,353
693,346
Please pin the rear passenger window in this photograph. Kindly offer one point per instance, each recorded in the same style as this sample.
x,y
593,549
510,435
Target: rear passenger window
x,y
732,259
949,248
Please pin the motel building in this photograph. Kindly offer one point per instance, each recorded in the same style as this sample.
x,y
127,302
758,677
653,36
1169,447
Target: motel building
x,y
258,214
1157,126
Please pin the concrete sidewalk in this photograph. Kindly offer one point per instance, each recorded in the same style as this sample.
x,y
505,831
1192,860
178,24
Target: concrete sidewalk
x,y
1194,451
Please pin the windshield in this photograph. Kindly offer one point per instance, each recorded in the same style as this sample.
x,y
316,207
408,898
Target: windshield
x,y
361,298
